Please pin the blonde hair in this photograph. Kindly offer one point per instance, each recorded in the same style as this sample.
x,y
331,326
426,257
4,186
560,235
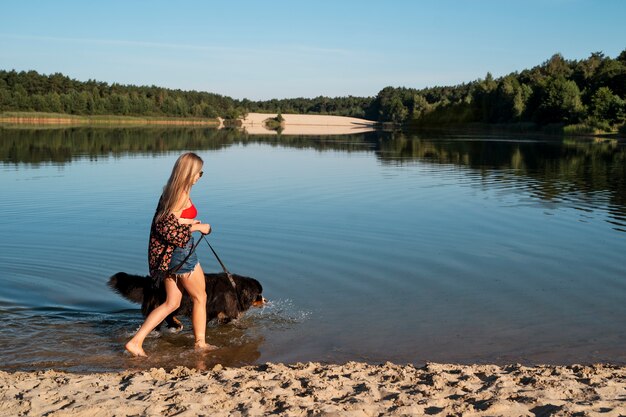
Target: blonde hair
x,y
185,169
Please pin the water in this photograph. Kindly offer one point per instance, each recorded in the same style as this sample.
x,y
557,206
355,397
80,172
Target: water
x,y
374,247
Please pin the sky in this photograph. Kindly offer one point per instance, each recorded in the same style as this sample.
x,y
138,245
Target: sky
x,y
284,49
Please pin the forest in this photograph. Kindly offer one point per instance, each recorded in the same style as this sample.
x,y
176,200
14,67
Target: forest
x,y
587,95
57,93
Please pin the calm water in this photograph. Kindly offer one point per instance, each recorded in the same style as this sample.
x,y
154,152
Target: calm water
x,y
375,247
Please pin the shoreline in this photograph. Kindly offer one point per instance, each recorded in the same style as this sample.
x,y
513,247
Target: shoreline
x,y
294,124
303,389
307,124
253,123
54,119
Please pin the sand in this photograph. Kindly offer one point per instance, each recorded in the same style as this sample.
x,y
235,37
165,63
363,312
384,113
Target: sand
x,y
295,124
308,124
313,389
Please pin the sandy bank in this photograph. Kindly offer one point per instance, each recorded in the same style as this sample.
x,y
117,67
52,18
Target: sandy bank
x,y
311,389
308,124
86,121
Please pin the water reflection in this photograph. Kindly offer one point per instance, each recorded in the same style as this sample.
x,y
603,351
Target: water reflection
x,y
391,246
55,333
572,173
569,172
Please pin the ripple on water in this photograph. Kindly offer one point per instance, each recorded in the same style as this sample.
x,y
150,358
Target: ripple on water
x,y
53,337
467,248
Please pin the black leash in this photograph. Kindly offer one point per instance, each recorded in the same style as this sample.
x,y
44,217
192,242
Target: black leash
x,y
228,274
226,271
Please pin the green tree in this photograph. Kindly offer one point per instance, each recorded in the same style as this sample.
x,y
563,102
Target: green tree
x,y
181,108
587,69
507,102
483,98
607,107
38,102
560,103
522,95
119,104
20,98
396,111
169,106
556,67
209,111
54,103
419,107
612,74
6,100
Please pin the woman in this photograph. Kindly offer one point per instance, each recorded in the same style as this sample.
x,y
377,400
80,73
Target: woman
x,y
168,253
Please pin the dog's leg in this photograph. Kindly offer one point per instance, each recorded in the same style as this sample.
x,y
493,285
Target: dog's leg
x,y
231,309
173,324
222,318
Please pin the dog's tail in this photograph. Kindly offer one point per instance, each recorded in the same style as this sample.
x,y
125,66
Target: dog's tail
x,y
129,286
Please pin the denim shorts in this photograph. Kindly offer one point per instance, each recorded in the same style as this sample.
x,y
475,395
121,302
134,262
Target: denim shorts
x,y
180,254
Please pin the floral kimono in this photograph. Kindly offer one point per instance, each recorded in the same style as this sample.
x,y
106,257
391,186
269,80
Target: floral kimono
x,y
165,235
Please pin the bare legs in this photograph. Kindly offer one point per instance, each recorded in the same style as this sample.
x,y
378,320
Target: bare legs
x,y
172,301
195,286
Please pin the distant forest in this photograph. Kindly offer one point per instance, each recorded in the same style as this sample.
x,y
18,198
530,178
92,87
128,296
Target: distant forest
x,y
589,93
56,93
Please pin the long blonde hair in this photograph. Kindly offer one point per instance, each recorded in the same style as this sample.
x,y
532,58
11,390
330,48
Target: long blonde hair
x,y
185,169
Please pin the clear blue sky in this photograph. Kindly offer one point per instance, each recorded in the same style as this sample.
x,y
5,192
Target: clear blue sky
x,y
279,49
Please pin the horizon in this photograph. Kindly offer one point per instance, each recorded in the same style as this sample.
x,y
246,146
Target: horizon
x,y
358,50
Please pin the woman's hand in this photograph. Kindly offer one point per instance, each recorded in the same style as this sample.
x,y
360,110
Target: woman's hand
x,y
203,228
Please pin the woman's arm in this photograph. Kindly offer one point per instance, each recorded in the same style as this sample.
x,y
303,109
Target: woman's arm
x,y
173,232
204,228
196,225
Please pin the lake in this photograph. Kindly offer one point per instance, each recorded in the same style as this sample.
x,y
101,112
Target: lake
x,y
459,247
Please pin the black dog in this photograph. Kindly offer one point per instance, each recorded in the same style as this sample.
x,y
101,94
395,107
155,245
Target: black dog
x,y
224,302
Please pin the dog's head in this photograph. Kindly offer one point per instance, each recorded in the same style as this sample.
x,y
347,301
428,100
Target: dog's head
x,y
250,292
259,302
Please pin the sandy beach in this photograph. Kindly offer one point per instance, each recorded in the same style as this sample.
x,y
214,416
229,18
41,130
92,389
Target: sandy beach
x,y
307,124
313,389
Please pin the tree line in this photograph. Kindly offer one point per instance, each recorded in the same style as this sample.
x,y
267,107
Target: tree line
x,y
350,106
57,93
589,92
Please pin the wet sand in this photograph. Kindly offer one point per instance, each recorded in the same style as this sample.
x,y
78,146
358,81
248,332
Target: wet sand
x,y
308,124
313,389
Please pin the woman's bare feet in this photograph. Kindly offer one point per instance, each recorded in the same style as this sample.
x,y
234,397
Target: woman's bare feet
x,y
203,346
135,349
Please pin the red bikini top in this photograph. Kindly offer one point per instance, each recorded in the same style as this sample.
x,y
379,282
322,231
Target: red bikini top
x,y
190,212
